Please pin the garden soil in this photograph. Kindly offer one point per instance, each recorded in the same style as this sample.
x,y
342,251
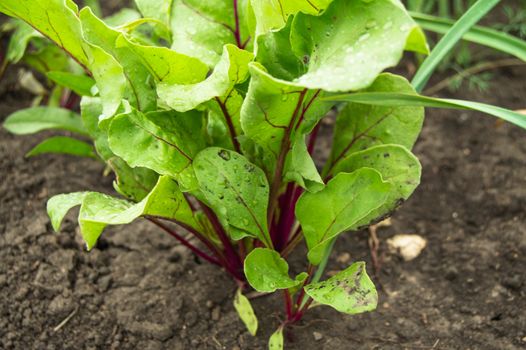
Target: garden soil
x,y
138,289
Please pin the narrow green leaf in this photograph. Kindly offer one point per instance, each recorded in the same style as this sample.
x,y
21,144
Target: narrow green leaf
x,y
276,340
341,205
35,119
63,145
80,84
350,291
267,271
489,37
444,46
400,99
237,190
245,312
232,69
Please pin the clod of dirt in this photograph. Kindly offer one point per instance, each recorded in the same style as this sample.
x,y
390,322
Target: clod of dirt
x,y
344,258
407,246
317,336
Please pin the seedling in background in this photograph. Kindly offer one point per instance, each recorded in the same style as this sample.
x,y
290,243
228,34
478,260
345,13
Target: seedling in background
x,y
208,114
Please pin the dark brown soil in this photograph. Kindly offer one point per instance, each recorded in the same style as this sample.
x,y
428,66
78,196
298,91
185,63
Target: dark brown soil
x,y
139,290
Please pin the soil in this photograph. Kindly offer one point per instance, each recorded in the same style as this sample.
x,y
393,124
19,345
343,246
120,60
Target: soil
x,y
140,290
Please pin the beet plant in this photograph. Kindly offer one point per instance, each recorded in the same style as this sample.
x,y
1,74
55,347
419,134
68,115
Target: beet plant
x,y
208,112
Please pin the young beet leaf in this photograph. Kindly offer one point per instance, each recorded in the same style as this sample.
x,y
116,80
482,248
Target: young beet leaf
x,y
208,112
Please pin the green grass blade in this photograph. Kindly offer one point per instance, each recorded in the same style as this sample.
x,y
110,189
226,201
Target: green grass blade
x,y
477,34
472,16
400,99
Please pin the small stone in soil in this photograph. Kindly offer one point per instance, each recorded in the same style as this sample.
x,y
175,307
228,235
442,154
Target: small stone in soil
x,y
512,282
104,283
451,273
317,336
343,258
216,313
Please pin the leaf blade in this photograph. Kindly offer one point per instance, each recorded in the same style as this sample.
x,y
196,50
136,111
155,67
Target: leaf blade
x,y
350,291
63,145
237,190
267,271
32,120
246,312
444,46
477,34
346,200
401,99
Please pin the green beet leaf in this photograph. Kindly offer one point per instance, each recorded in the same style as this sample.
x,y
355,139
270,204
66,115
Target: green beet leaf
x,y
91,108
133,80
80,84
232,69
165,65
267,271
110,78
122,17
132,183
350,291
276,340
275,54
47,57
158,9
59,205
351,43
397,165
341,205
224,124
300,167
245,312
273,14
273,110
237,190
165,142
360,126
20,39
63,145
35,119
53,19
201,28
99,210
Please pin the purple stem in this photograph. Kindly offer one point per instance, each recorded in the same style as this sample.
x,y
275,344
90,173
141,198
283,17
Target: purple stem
x,y
185,242
232,258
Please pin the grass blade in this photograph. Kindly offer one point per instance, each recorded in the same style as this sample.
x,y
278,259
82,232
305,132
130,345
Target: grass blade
x,y
400,99
457,31
477,34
